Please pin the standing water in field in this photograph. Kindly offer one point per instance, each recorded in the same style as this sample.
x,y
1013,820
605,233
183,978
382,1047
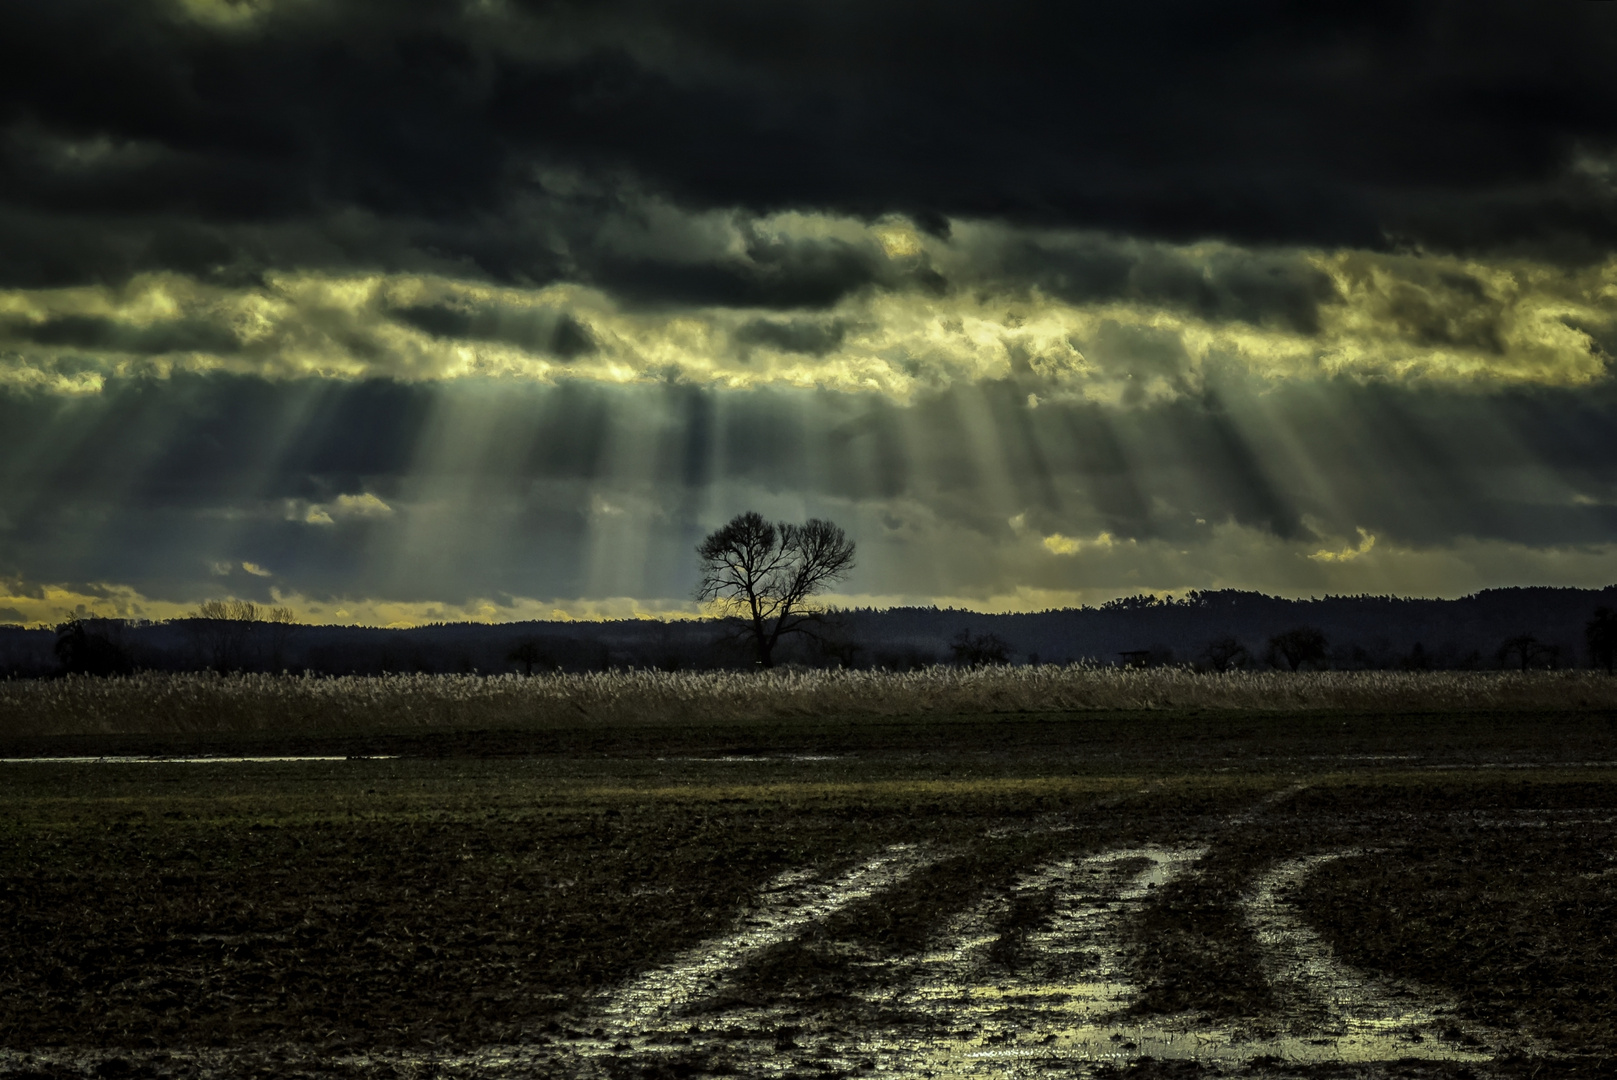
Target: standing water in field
x,y
1349,1013
1069,980
790,904
1033,977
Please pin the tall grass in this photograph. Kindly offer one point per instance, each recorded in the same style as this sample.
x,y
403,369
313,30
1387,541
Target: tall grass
x,y
165,703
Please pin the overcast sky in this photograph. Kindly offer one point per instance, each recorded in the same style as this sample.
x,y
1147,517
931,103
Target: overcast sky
x,y
400,311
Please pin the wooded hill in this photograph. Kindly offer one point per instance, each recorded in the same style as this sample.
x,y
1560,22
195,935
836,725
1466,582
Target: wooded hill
x,y
1515,627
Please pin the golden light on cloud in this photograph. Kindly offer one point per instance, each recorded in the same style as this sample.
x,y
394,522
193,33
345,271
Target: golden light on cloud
x,y
1370,316
48,605
1057,544
1445,318
1367,541
345,334
53,604
363,505
899,241
1061,544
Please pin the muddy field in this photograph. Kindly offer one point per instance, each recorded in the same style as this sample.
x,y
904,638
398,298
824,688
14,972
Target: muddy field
x,y
1091,895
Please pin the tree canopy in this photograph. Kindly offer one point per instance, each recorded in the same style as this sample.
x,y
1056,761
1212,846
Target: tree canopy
x,y
764,573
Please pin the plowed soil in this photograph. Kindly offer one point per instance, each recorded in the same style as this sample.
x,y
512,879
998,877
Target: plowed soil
x,y
1101,895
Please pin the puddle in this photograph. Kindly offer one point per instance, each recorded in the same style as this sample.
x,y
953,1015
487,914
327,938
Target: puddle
x,y
962,1013
1063,1002
1061,1011
1525,765
790,904
756,759
1059,1050
1331,1001
1536,819
1090,898
136,760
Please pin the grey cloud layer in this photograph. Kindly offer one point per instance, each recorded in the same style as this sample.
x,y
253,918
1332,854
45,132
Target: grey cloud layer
x,y
444,492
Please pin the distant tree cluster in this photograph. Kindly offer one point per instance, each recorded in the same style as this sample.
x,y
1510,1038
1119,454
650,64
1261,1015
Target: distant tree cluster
x,y
92,647
1298,648
1226,654
977,650
766,581
235,635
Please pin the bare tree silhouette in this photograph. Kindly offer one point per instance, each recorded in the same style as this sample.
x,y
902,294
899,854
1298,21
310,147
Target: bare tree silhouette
x,y
977,650
227,633
1529,652
280,621
763,574
1226,654
527,653
1299,646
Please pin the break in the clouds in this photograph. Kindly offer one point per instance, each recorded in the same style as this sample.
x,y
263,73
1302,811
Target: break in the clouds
x,y
491,309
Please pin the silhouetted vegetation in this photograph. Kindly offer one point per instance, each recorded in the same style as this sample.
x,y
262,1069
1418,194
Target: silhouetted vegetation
x,y
83,650
1299,647
1416,660
1226,654
762,573
528,653
239,635
1525,651
1600,634
972,650
1538,629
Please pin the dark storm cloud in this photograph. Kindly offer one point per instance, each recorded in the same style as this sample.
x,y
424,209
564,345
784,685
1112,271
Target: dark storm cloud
x,y
1266,122
434,133
91,332
553,332
1433,306
775,273
812,337
1263,289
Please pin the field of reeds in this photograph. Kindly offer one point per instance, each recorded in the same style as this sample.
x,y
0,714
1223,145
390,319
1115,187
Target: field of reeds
x,y
155,703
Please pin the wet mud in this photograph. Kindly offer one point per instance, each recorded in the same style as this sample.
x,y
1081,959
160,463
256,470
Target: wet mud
x,y
390,919
1342,1013
995,995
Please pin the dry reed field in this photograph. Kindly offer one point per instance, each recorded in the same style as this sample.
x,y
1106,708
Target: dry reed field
x,y
196,703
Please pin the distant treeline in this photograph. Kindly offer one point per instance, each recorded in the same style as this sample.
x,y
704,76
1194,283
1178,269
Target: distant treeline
x,y
1222,630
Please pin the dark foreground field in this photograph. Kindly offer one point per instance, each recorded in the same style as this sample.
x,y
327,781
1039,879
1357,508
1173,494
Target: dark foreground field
x,y
1107,895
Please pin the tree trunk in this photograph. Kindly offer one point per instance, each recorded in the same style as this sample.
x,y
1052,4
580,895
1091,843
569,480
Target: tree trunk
x,y
764,644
